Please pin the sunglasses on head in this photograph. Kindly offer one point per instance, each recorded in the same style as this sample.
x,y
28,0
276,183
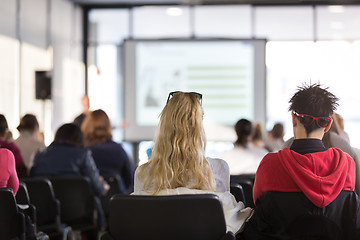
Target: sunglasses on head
x,y
198,95
307,120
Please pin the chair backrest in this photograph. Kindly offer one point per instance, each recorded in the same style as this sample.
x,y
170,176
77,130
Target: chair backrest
x,y
42,195
22,195
22,198
179,217
12,222
291,215
77,201
238,192
116,187
247,183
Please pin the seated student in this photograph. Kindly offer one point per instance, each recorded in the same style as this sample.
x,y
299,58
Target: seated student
x,y
109,156
8,176
178,164
244,158
306,190
9,144
275,140
340,127
66,156
332,139
27,142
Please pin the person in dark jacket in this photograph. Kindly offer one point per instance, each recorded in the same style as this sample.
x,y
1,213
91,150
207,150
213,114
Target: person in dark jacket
x,y
306,191
109,156
66,156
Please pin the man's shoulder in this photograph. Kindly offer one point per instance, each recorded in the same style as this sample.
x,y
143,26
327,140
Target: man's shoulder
x,y
271,161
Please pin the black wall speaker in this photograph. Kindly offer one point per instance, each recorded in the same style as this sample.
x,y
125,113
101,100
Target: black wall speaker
x,y
43,85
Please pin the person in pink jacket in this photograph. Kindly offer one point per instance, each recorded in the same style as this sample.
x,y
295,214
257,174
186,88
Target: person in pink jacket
x,y
8,176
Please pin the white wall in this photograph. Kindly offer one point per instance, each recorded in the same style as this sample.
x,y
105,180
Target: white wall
x,y
40,35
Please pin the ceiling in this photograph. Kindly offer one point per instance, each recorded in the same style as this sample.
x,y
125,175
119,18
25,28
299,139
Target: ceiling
x,y
205,2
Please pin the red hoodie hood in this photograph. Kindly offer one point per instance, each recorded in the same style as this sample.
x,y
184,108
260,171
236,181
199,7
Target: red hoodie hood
x,y
321,176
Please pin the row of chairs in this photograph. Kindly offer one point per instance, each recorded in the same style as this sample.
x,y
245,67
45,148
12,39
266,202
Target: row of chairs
x,y
77,211
56,206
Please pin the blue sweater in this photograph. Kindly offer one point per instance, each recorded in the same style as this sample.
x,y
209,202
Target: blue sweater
x,y
67,160
111,159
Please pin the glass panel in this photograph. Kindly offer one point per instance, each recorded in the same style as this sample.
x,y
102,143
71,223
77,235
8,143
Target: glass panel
x,y
163,21
105,84
108,25
333,64
338,22
284,23
223,21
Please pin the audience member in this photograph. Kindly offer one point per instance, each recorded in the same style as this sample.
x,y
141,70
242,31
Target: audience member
x,y
332,139
27,142
306,190
8,176
20,167
257,138
66,156
244,158
178,164
85,103
339,120
275,140
109,156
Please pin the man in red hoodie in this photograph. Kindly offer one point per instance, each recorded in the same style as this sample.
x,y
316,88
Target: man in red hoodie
x,y
306,191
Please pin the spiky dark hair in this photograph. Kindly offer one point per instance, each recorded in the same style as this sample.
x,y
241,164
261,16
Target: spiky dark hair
x,y
313,100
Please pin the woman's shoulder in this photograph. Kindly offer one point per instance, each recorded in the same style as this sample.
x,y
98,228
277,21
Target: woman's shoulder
x,y
4,151
108,145
217,163
6,154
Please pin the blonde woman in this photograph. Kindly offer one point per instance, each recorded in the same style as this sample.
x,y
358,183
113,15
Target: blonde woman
x,y
109,156
178,164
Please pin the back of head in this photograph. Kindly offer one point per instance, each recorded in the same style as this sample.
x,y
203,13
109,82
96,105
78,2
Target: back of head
x,y
3,125
257,133
69,133
28,123
96,127
278,131
178,156
243,129
315,101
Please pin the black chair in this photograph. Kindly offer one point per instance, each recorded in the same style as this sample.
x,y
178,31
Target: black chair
x,y
291,215
116,187
177,217
247,183
12,222
23,201
78,205
249,176
238,192
42,195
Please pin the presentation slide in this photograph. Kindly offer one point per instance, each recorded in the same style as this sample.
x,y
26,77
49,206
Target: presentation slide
x,y
223,71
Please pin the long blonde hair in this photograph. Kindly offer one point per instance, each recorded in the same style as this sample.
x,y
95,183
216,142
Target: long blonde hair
x,y
96,127
178,158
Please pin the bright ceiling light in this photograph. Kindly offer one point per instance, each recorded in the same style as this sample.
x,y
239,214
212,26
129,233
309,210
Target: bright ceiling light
x,y
336,9
174,11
